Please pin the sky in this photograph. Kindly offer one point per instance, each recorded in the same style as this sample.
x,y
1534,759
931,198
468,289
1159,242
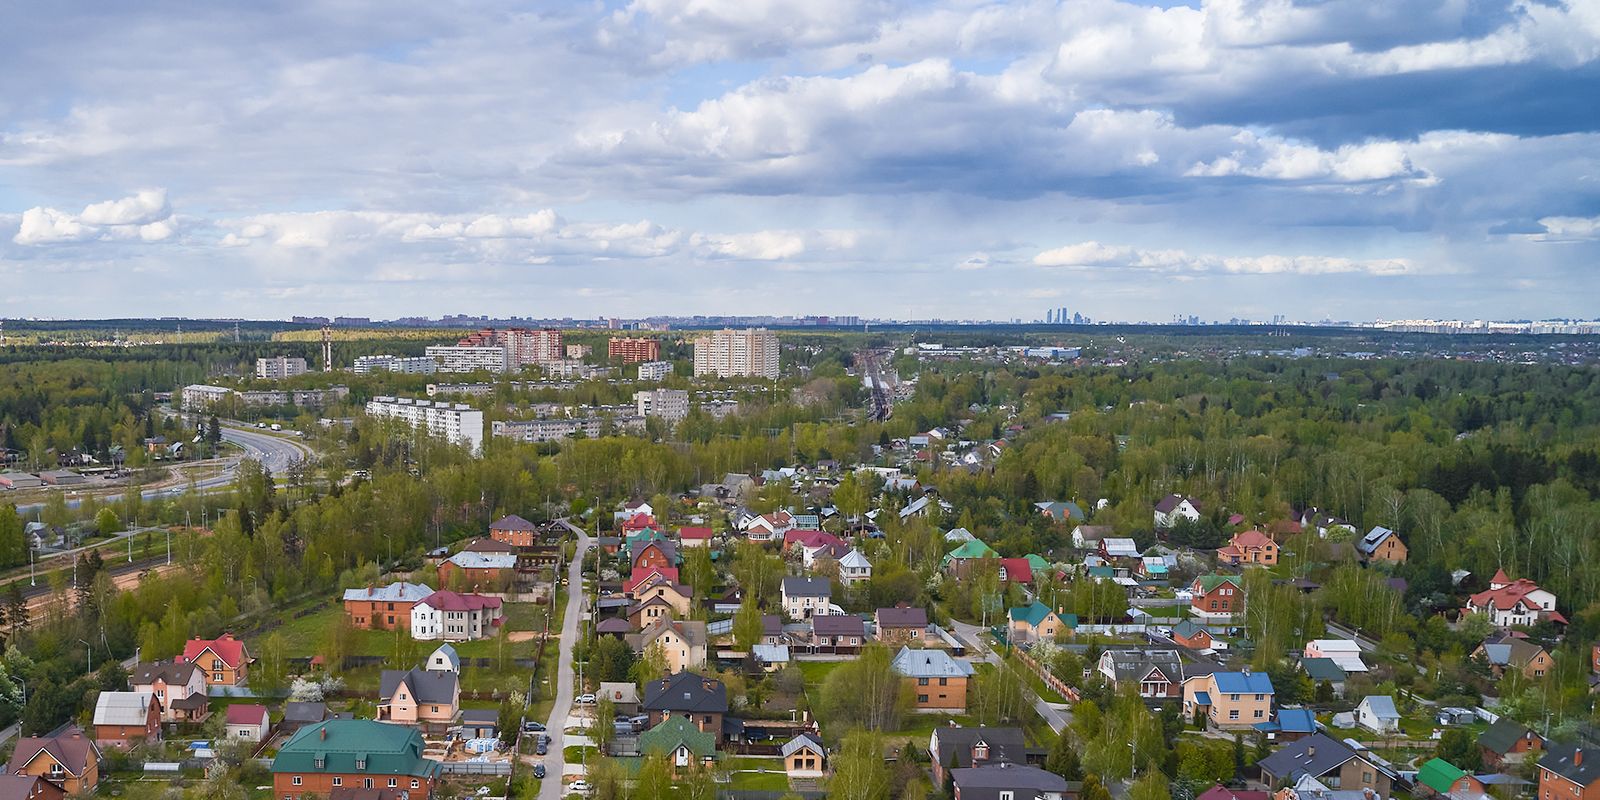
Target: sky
x,y
961,159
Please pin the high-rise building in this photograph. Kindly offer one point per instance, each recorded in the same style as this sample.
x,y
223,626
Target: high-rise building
x,y
469,358
457,423
279,367
632,349
752,352
523,346
668,404
655,370
410,365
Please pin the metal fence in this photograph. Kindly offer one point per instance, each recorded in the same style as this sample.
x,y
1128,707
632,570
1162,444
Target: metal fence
x,y
476,767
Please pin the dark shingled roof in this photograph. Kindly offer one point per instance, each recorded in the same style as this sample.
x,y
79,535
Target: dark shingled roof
x,y
1005,745
686,691
1501,736
902,617
429,686
1562,760
511,522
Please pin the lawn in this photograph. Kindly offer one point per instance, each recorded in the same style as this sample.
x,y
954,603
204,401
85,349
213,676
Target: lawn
x,y
920,727
303,637
760,781
817,671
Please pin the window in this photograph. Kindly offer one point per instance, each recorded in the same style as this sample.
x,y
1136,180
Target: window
x,y
320,762
1233,714
361,763
944,681
1233,697
338,781
922,698
367,784
295,780
414,783
393,783
1259,713
922,681
1366,777
1006,794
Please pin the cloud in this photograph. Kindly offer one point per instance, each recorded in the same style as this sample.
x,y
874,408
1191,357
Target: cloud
x,y
144,216
1571,227
1097,255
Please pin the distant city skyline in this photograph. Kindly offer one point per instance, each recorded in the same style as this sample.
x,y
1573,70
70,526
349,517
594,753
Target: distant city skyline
x,y
951,159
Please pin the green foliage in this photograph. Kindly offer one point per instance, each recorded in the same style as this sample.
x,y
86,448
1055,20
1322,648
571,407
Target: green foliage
x,y
859,771
865,692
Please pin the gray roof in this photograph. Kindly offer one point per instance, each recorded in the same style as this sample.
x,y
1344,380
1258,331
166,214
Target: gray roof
x,y
929,664
397,592
123,708
173,674
481,716
803,740
304,713
1559,758
1134,664
1369,543
686,691
916,617
1315,755
1502,735
1005,744
429,687
806,587
838,625
1016,777
1381,705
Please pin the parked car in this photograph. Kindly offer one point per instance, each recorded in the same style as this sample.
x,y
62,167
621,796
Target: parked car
x,y
538,771
581,787
622,728
542,749
585,699
544,740
530,726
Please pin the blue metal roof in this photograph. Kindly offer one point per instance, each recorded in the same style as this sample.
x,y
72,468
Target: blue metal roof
x,y
1242,682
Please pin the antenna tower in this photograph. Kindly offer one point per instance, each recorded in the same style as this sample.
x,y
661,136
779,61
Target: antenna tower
x,y
327,349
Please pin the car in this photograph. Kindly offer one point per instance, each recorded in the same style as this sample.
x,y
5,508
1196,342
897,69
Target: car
x,y
581,787
585,699
538,770
530,726
544,740
542,749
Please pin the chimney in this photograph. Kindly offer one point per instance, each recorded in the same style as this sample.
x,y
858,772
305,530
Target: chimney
x,y
369,590
1577,757
323,732
1311,751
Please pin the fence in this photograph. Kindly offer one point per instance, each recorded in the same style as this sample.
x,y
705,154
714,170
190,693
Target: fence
x,y
476,767
1055,684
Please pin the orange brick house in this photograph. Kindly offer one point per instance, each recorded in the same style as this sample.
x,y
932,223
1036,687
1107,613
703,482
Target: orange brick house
x,y
384,608
225,660
937,681
122,719
1216,597
1249,547
512,530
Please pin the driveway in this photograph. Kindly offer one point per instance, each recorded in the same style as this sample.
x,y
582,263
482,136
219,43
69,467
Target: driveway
x,y
555,764
972,636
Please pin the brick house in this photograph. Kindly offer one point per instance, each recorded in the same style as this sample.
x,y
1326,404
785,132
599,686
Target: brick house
x,y
938,681
701,700
384,608
225,661
512,530
69,760
1216,597
179,687
1249,547
901,625
353,754
122,719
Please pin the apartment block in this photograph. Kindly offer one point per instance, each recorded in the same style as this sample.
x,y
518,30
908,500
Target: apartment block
x,y
410,365
200,397
671,405
457,423
279,367
469,358
654,370
523,346
555,430
632,349
728,353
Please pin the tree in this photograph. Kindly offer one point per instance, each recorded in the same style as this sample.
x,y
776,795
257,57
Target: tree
x,y
337,641
106,522
1093,789
866,692
1459,747
1063,759
654,780
13,544
747,625
55,512
859,771
610,659
698,571
1152,785
605,715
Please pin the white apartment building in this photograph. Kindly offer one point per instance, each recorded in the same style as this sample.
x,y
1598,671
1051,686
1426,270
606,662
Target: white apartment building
x,y
654,370
410,365
279,367
469,358
199,397
555,430
457,423
671,405
752,352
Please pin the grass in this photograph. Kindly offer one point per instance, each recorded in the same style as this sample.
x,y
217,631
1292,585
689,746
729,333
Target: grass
x,y
760,781
304,637
1033,680
817,671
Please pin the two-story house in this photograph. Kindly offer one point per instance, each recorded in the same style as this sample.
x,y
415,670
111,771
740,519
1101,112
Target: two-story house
x,y
512,530
804,598
353,754
1229,700
837,634
701,700
384,608
424,698
455,617
854,567
1249,547
1216,597
224,660
69,759
901,624
1037,621
1175,507
964,747
1382,544
1157,674
937,680
1007,782
474,570
1514,602
180,687
682,642
1331,762
123,719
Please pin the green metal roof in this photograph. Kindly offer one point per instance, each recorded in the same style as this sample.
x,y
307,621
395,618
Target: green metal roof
x,y
971,548
1210,582
1037,563
339,743
1033,614
663,739
1439,775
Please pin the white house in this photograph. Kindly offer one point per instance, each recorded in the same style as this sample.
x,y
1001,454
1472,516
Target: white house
x,y
248,723
443,659
804,598
1514,602
854,567
1377,713
1087,537
455,617
1343,652
1174,507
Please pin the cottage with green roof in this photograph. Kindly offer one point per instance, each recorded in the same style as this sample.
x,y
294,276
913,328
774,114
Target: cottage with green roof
x,y
957,560
1440,777
681,742
1216,597
1038,621
353,754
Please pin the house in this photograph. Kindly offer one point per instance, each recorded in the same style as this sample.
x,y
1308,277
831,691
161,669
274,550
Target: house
x,y
1157,674
1507,742
480,723
804,598
1329,761
958,535
766,527
1087,537
1382,544
682,642
1288,725
643,577
804,757
959,560
424,698
1220,792
1343,652
225,661
1191,635
837,634
961,747
1229,700
658,588
443,659
1037,621
701,700
1061,511
1442,778
854,567
1514,602
353,754
938,680
456,617
1377,713
1325,670
384,608
1249,547
925,505
1512,653
1216,597
122,719
512,530
29,787
694,537
901,624
1007,782
473,570
69,759
624,696
248,723
654,554
616,627
297,715
1118,547
1566,771
641,615
1016,570
1174,507
683,743
179,688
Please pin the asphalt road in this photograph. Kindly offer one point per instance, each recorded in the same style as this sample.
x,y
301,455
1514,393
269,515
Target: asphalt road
x,y
555,763
972,635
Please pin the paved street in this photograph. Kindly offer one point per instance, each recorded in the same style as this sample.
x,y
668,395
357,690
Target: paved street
x,y
555,762
972,636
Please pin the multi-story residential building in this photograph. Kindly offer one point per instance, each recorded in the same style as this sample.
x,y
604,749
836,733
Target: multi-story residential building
x,y
384,608
410,365
632,350
456,422
938,680
469,358
1229,700
353,754
752,352
962,748
555,430
804,598
455,617
200,397
512,530
523,346
654,370
179,687
579,351
475,569
671,405
280,367
422,697
309,398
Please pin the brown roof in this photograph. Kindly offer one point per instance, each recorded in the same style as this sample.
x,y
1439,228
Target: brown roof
x,y
25,787
173,674
902,618
71,748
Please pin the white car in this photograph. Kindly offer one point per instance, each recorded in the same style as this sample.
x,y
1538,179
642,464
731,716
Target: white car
x,y
581,787
585,700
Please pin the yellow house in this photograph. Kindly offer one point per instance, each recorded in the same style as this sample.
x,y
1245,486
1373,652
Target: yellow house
x,y
70,760
425,698
683,643
1229,700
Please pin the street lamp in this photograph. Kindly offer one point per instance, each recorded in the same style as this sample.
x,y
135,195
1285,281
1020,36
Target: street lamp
x,y
89,654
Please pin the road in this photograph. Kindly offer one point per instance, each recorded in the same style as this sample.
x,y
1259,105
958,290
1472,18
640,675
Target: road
x,y
972,635
555,763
